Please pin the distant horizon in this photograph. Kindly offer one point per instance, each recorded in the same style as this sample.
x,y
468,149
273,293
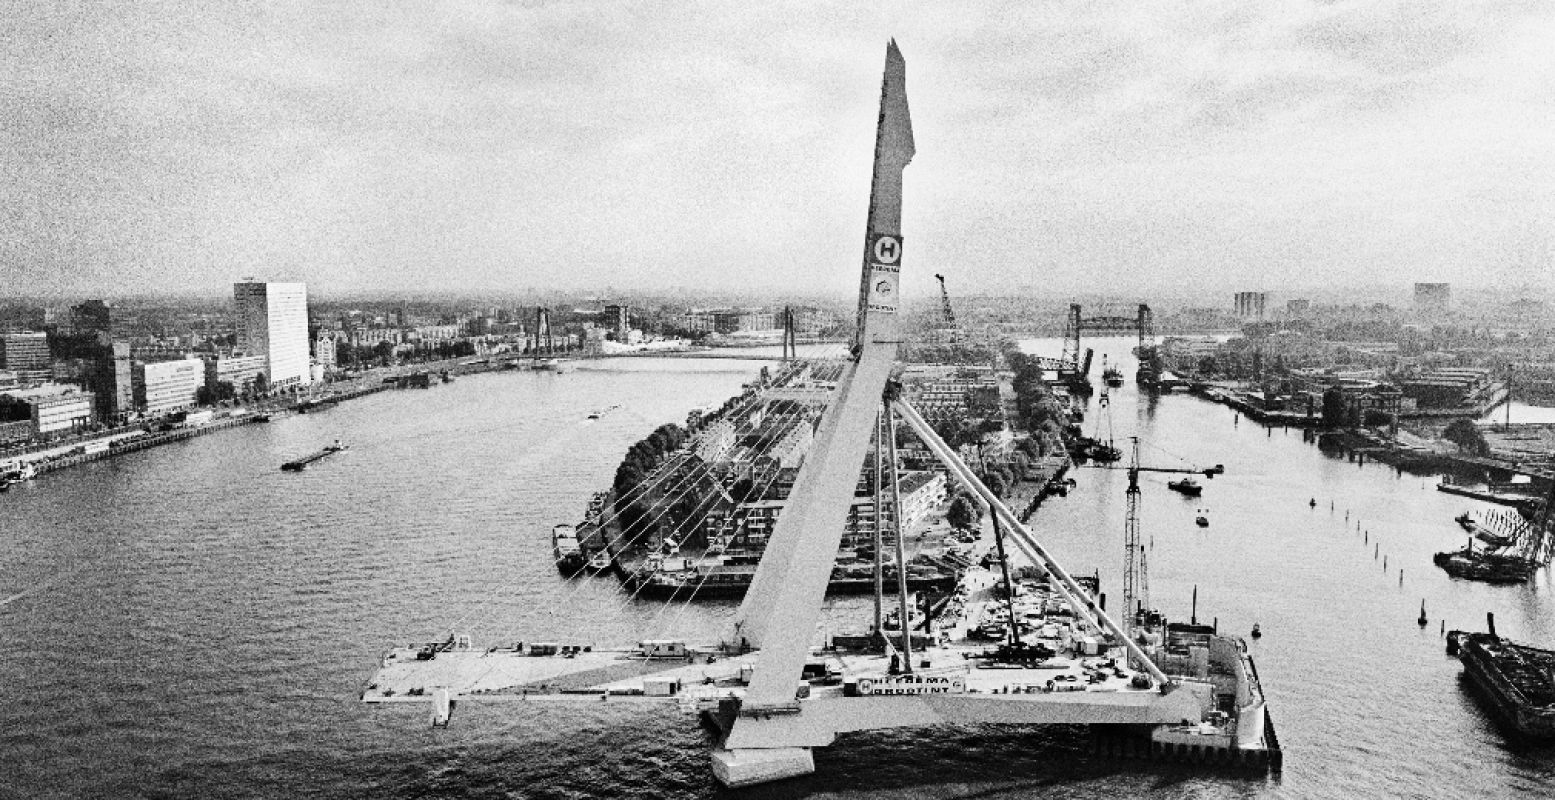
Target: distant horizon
x,y
1360,293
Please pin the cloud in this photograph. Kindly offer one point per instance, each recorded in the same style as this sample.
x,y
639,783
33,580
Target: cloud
x,y
539,143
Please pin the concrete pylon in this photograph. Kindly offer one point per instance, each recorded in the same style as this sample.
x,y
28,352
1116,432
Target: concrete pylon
x,y
780,610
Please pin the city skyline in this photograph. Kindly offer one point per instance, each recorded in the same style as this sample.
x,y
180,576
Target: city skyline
x,y
534,146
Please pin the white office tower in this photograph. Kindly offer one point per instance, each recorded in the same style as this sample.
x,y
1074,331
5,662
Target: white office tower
x,y
273,322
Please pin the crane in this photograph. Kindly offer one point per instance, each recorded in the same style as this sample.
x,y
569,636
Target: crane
x,y
1136,572
947,315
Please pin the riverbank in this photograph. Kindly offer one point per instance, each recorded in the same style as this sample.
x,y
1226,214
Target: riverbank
x,y
46,458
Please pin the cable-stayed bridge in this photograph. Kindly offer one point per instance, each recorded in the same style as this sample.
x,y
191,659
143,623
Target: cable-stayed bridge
x,y
775,694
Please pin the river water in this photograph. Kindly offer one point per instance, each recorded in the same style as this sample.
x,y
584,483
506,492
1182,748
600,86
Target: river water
x,y
189,621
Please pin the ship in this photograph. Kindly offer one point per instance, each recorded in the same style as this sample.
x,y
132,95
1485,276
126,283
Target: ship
x,y
18,471
1482,565
732,580
1110,374
1187,486
1516,680
564,543
1466,520
301,464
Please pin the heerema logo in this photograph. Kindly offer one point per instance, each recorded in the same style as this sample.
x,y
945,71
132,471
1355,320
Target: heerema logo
x,y
887,249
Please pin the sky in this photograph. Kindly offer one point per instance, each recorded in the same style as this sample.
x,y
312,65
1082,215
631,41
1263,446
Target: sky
x,y
1121,147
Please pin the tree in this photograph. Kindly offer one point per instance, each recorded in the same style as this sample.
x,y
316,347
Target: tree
x,y
261,384
1467,436
960,513
996,483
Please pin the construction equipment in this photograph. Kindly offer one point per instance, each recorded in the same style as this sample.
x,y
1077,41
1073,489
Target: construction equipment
x,y
1136,572
951,332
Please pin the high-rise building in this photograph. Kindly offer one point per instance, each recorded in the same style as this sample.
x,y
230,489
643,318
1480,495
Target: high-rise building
x,y
616,321
27,355
1432,296
272,321
92,319
1250,305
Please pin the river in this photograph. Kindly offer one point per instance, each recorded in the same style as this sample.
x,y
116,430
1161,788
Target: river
x,y
189,621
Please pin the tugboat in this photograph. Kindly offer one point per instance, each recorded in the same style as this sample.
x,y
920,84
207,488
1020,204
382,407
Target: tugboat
x,y
1466,521
1187,486
1111,374
1201,521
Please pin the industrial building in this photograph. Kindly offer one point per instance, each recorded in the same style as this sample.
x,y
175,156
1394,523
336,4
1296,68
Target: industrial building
x,y
51,408
162,387
239,371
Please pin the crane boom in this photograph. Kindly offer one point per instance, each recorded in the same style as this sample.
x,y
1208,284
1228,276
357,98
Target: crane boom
x,y
947,314
1136,570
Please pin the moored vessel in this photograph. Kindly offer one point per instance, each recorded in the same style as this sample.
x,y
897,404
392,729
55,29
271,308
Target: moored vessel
x,y
1516,680
564,544
1481,565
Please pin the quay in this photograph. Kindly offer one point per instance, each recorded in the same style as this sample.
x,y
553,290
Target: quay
x,y
44,459
1489,495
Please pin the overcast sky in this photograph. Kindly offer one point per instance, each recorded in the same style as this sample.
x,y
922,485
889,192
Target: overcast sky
x,y
1117,146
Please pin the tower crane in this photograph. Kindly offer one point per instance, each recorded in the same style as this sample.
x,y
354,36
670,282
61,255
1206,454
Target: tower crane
x,y
947,315
1136,572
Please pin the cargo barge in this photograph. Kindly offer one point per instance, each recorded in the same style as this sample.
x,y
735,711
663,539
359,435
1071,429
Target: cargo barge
x,y
303,463
1516,680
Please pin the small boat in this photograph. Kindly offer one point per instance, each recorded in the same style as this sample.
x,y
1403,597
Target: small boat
x,y
1467,521
1257,634
600,562
1110,374
336,447
1494,539
1201,521
1187,486
261,418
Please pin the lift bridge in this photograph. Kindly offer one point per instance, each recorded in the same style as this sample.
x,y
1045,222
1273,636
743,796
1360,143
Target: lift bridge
x,y
1075,362
753,680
